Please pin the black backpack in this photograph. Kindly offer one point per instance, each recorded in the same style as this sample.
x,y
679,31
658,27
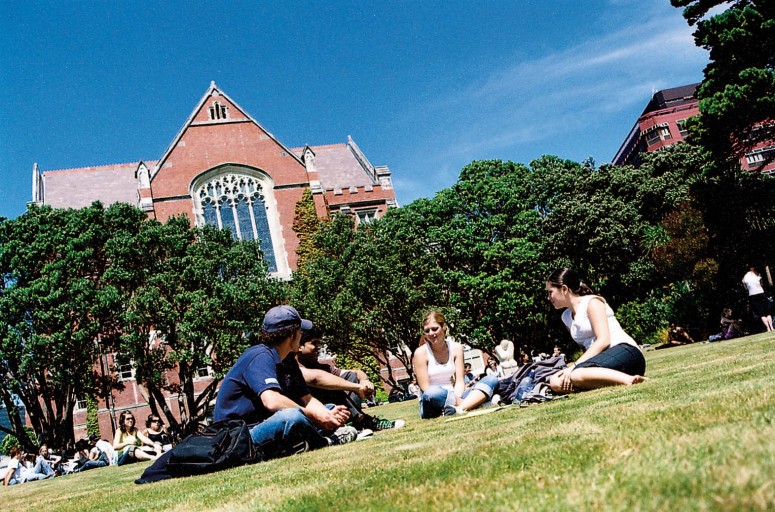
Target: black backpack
x,y
221,445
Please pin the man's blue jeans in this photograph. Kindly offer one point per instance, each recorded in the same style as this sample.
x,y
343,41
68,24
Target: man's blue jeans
x,y
437,400
286,432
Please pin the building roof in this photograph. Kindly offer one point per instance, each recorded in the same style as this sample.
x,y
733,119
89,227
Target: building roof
x,y
671,98
79,187
339,167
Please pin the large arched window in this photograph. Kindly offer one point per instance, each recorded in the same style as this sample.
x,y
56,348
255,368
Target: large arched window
x,y
234,199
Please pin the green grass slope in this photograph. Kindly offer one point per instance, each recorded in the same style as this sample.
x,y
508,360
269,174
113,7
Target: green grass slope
x,y
699,435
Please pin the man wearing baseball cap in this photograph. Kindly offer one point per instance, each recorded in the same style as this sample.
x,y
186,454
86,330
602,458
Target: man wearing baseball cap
x,y
266,389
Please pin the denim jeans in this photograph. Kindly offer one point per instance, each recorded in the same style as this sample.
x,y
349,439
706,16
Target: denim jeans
x,y
437,401
285,432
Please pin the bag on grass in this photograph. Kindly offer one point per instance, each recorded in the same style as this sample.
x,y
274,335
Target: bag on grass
x,y
224,444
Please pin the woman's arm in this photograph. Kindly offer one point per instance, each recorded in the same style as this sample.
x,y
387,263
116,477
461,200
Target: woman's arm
x,y
599,320
420,365
460,373
117,444
145,439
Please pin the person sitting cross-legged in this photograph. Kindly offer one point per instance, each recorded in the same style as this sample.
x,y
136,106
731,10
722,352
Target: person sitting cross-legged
x,y
330,384
266,389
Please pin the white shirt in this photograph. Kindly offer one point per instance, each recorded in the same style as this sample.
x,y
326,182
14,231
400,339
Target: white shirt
x,y
581,328
753,283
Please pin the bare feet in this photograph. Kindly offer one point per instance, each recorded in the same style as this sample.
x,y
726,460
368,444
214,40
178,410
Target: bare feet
x,y
637,379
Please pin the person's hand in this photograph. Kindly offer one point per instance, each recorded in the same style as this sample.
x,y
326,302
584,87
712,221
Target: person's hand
x,y
364,391
565,383
369,387
330,419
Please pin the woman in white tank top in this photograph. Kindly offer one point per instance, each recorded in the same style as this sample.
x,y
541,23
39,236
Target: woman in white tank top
x,y
438,366
611,357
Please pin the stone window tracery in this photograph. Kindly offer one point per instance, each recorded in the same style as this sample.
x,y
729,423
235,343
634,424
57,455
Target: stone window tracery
x,y
236,202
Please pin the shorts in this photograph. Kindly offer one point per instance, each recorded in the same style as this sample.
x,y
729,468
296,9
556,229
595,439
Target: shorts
x,y
622,357
760,305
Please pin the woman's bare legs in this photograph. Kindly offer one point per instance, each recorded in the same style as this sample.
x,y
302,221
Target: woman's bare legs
x,y
474,399
592,377
767,321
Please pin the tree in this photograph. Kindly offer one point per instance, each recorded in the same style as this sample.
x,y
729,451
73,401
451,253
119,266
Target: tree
x,y
737,95
190,296
54,305
306,224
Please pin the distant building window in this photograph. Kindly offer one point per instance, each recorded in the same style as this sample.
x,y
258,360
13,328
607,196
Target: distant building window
x,y
125,369
80,404
218,111
366,216
236,202
657,134
204,372
757,156
681,128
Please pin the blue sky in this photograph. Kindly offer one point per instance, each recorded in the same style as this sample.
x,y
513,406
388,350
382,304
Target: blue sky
x,y
424,87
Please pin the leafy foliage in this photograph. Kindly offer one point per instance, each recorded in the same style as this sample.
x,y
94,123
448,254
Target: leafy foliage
x,y
737,96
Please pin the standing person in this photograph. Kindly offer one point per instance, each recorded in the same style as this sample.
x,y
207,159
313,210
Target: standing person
x,y
129,442
759,302
438,366
611,357
266,389
332,385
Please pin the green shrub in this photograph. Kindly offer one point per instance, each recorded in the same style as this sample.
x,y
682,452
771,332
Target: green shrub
x,y
10,441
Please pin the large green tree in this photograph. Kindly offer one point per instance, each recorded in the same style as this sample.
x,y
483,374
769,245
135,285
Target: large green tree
x,y
190,296
56,311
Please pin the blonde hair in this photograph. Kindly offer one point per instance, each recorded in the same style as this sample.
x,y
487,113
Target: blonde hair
x,y
436,316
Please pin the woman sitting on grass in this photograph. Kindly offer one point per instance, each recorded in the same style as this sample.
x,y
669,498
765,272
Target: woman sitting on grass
x,y
129,442
611,356
438,366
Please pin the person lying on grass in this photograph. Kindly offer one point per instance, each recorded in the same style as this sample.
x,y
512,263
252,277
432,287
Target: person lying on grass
x,y
439,368
611,356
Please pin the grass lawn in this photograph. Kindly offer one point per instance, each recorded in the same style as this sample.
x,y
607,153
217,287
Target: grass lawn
x,y
700,435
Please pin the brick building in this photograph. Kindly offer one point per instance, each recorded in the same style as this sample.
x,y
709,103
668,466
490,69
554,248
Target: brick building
x,y
223,168
661,124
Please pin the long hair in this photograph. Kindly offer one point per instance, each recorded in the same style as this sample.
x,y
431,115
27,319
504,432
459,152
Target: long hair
x,y
121,421
436,316
569,278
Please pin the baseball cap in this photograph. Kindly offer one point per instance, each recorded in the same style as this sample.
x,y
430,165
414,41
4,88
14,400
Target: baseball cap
x,y
280,317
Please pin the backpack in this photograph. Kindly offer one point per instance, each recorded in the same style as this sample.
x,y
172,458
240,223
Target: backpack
x,y
221,445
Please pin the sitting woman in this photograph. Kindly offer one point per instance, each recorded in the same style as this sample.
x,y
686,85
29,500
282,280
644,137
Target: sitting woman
x,y
156,431
730,326
438,366
611,356
129,442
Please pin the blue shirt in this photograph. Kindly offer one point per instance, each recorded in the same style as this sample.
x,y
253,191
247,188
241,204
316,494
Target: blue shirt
x,y
258,368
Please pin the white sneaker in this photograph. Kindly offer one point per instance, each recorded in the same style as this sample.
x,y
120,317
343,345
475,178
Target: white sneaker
x,y
366,433
496,399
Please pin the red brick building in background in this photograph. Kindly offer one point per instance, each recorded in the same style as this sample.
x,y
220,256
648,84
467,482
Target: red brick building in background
x,y
224,169
661,124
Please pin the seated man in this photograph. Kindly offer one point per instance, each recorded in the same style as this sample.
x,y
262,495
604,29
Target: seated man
x,y
265,388
470,378
332,385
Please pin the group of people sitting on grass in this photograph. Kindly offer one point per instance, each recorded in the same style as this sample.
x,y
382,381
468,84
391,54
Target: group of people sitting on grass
x,y
129,445
293,402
